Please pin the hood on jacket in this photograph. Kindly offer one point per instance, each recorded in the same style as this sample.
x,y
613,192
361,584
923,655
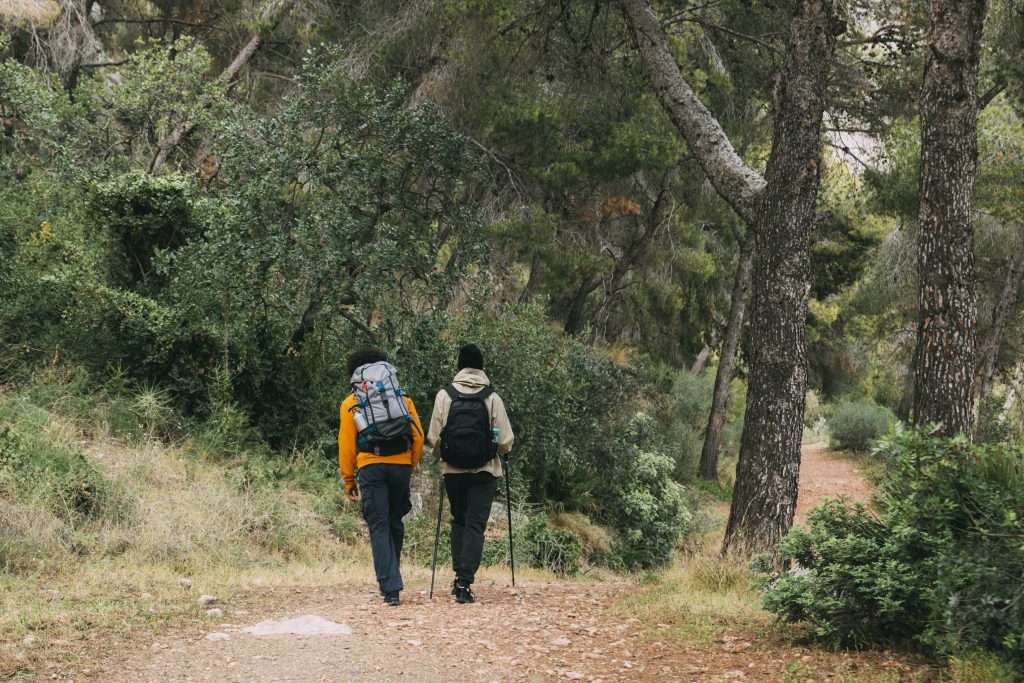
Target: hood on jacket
x,y
470,380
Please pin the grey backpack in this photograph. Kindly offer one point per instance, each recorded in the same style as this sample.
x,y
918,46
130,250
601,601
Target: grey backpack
x,y
381,414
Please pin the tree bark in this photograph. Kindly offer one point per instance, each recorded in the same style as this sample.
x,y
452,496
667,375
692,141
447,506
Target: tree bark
x,y
768,472
574,320
701,361
737,183
1000,315
944,359
780,210
272,13
727,362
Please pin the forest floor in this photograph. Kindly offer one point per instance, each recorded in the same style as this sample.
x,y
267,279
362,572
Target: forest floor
x,y
699,621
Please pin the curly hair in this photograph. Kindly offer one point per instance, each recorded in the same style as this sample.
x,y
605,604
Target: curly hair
x,y
360,357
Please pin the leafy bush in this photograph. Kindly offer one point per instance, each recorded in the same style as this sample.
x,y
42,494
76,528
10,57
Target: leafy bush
x,y
646,507
66,482
557,550
855,425
855,581
939,565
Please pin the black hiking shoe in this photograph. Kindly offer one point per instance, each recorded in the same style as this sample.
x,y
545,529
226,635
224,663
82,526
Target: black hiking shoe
x,y
391,599
455,587
463,594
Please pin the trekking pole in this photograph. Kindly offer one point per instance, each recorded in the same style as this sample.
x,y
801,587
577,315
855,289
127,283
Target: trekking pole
x,y
508,509
437,537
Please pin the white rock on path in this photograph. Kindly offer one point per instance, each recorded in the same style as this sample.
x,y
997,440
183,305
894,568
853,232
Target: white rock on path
x,y
206,600
308,625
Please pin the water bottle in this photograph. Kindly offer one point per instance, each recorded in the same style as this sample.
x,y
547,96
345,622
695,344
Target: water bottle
x,y
494,435
361,423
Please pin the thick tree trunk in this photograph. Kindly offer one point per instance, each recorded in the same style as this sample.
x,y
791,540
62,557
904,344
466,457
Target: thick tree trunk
x,y
781,214
764,498
1000,315
944,360
723,378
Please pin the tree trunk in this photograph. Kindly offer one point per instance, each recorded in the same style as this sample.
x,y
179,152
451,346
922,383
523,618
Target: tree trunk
x,y
701,361
737,183
574,321
781,214
768,472
1000,314
944,360
723,378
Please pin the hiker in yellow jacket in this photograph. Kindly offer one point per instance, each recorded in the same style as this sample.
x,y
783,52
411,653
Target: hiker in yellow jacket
x,y
377,467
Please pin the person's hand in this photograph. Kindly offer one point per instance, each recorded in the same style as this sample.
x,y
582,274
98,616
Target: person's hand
x,y
352,494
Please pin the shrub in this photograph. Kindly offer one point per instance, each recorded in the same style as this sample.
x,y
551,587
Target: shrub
x,y
855,425
939,565
557,550
646,506
66,482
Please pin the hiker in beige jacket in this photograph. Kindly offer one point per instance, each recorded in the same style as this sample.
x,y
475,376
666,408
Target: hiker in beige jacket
x,y
469,446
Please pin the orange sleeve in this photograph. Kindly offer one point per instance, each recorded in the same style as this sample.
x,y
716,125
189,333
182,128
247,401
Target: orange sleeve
x,y
347,445
417,433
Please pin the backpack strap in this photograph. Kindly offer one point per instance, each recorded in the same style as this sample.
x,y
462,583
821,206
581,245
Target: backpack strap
x,y
454,393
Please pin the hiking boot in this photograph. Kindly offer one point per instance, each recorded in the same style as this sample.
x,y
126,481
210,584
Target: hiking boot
x,y
455,587
391,599
463,594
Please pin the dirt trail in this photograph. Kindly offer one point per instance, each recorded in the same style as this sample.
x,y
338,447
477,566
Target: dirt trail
x,y
824,475
538,632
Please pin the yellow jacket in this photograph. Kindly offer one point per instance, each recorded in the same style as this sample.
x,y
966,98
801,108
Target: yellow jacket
x,y
350,460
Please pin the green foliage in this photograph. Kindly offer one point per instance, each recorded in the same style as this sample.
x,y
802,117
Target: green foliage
x,y
856,425
66,482
939,565
557,550
646,507
854,581
994,425
565,398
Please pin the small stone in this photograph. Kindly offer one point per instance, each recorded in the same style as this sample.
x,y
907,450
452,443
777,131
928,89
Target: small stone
x,y
28,640
560,642
216,613
146,596
807,659
218,636
206,600
186,583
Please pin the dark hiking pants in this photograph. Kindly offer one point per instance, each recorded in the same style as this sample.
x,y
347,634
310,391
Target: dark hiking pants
x,y
384,492
470,496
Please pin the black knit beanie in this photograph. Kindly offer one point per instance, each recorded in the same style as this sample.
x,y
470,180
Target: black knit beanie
x,y
471,357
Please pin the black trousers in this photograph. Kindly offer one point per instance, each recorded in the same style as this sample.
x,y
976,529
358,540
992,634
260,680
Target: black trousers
x,y
384,496
470,496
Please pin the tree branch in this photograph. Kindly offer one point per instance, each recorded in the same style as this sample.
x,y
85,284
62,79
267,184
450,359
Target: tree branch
x,y
736,182
273,11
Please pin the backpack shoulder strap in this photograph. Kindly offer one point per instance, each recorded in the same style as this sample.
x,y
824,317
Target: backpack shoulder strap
x,y
481,395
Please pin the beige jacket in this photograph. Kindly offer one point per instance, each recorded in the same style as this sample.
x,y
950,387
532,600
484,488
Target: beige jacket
x,y
470,381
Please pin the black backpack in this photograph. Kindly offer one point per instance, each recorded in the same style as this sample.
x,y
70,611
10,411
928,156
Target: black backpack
x,y
466,440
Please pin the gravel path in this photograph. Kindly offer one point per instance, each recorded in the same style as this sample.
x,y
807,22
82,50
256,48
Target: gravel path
x,y
538,632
